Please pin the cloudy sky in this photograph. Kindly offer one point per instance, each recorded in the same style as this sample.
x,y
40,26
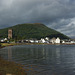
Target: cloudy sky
x,y
56,14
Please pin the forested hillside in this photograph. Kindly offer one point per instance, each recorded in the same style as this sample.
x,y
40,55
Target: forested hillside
x,y
27,31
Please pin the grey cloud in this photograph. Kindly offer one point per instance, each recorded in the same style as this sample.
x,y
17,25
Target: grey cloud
x,y
57,14
66,26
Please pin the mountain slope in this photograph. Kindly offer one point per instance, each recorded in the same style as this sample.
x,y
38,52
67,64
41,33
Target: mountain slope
x,y
36,30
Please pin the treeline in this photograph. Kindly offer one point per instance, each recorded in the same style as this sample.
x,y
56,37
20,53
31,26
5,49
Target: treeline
x,y
27,31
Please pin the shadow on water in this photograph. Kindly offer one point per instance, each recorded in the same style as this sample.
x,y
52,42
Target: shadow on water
x,y
43,59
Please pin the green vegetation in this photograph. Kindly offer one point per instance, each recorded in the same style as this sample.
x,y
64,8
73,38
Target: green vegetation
x,y
0,44
27,31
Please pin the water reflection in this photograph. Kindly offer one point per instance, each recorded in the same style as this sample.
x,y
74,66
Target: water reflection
x,y
9,54
43,59
58,55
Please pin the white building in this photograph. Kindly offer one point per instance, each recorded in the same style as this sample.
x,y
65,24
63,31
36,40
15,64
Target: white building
x,y
47,38
5,39
53,40
63,41
31,41
36,41
57,40
43,40
2,40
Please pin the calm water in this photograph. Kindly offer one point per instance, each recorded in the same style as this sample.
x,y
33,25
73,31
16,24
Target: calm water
x,y
43,59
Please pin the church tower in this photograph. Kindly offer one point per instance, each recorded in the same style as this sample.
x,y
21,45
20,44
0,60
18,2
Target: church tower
x,y
9,33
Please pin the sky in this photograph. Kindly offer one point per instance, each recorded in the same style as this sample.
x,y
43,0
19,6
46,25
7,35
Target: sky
x,y
56,14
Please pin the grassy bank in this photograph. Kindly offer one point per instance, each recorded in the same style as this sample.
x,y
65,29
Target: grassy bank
x,y
12,44
8,44
10,68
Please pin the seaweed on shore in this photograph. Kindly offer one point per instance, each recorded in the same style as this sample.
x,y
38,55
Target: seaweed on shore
x,y
11,68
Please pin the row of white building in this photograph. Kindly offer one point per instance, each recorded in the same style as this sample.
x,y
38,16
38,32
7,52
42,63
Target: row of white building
x,y
53,41
44,40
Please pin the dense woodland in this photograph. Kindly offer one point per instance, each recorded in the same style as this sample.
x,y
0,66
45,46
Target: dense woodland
x,y
27,31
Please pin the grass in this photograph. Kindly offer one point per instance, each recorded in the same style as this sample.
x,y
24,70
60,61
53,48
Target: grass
x,y
8,44
12,44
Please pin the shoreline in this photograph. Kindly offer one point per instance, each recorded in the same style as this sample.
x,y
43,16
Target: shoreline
x,y
13,44
11,68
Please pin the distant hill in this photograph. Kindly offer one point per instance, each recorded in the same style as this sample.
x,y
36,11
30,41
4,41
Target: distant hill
x,y
27,31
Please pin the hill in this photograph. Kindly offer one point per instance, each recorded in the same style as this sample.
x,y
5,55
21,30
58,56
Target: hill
x,y
36,30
